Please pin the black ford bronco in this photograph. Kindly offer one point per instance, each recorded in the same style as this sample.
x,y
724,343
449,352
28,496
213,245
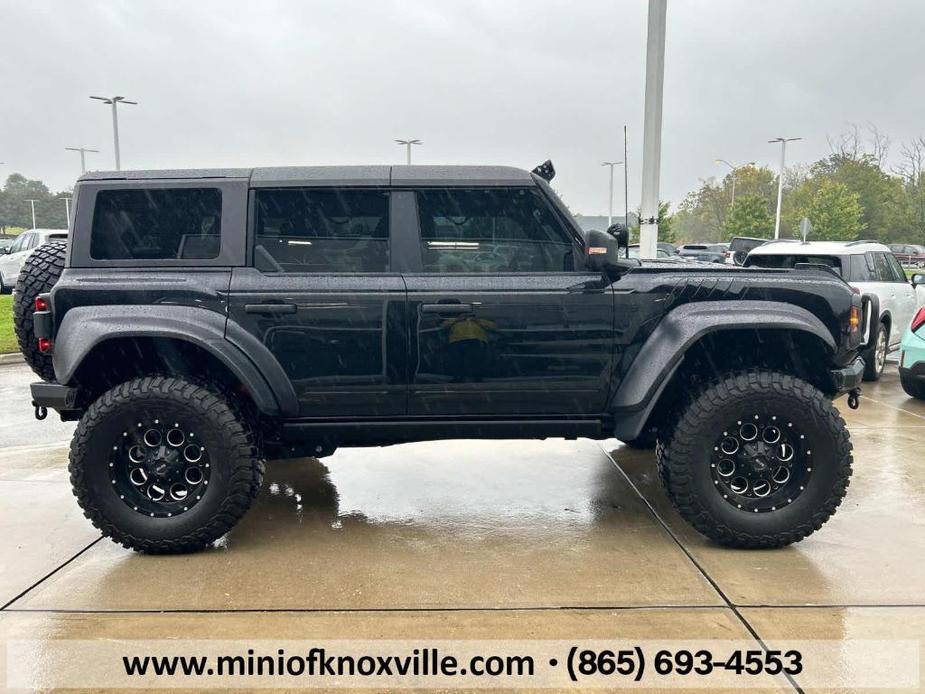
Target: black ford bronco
x,y
199,322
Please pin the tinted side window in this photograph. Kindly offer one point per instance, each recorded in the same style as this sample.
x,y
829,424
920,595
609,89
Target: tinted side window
x,y
157,224
312,230
898,274
882,269
491,230
861,269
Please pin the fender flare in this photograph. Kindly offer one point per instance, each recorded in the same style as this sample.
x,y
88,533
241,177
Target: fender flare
x,y
665,348
85,328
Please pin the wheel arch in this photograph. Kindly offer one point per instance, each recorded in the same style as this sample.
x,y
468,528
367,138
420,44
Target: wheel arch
x,y
138,340
717,336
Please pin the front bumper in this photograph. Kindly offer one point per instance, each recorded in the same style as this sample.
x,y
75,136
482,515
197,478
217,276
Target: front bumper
x,y
916,372
849,377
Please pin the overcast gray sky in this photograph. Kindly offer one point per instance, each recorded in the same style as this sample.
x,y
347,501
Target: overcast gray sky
x,y
233,83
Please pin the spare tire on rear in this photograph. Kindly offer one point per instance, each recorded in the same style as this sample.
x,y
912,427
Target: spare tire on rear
x,y
39,274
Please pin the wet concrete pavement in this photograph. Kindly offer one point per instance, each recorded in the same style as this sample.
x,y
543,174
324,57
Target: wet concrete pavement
x,y
470,540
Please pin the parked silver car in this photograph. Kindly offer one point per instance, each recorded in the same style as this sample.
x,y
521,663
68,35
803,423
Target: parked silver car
x,y
12,258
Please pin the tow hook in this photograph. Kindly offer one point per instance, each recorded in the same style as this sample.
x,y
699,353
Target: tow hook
x,y
41,412
854,398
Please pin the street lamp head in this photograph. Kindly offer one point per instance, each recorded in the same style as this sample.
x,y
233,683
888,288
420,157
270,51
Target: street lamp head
x,y
114,100
611,163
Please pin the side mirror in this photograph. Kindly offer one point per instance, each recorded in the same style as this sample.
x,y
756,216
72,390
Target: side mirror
x,y
918,279
5,251
603,254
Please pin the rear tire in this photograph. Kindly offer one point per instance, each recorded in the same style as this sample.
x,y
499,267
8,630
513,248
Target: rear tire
x,y
135,486
691,461
875,357
913,387
39,274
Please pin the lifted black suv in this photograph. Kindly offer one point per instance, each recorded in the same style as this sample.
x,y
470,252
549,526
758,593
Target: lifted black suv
x,y
207,320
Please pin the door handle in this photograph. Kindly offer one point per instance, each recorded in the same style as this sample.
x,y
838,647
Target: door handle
x,y
453,309
270,309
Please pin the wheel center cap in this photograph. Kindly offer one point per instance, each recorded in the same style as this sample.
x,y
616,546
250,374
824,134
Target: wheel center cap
x,y
757,455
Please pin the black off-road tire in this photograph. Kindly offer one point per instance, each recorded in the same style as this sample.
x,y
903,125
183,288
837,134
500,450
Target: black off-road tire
x,y
873,369
236,469
913,387
39,274
684,459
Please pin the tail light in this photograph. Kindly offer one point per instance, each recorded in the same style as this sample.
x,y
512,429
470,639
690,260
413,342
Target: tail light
x,y
41,304
727,254
919,320
854,319
44,344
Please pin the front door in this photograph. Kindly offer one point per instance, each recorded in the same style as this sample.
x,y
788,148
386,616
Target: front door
x,y
503,323
322,297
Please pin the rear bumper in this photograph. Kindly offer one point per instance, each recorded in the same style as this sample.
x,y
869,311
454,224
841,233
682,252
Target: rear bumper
x,y
55,396
849,377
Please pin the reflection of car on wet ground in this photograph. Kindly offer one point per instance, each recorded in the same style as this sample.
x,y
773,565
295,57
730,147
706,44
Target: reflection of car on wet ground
x,y
868,267
912,354
366,306
705,253
661,252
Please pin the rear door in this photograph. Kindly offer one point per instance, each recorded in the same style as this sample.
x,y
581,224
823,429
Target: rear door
x,y
504,320
321,294
904,298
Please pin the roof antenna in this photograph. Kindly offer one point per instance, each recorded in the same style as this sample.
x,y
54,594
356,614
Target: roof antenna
x,y
546,170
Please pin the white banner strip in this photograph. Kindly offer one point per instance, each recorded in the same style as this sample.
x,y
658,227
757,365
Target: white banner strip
x,y
443,664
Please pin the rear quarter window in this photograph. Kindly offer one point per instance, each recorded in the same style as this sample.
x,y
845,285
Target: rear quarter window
x,y
157,224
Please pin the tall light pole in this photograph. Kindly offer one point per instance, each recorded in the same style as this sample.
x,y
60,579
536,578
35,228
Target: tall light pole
x,y
735,171
611,164
408,143
114,101
626,185
652,129
83,160
67,210
32,203
780,179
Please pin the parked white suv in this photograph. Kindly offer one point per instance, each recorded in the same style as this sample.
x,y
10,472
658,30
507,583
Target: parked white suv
x,y
868,266
12,259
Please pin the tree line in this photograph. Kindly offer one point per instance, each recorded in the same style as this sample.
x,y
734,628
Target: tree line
x,y
851,194
16,210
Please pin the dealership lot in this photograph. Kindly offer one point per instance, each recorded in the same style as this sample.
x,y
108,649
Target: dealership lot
x,y
469,540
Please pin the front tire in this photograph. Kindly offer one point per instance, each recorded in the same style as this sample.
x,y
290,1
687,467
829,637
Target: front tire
x,y
758,459
162,465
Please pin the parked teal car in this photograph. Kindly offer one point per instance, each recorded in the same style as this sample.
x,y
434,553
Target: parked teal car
x,y
912,353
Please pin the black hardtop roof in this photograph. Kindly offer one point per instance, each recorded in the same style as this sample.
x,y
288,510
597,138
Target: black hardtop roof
x,y
374,175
